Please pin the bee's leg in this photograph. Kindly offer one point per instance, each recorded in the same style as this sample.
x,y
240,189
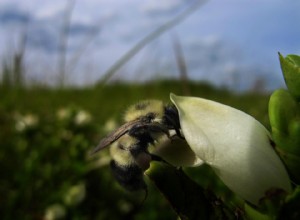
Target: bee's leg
x,y
156,158
171,118
159,159
173,124
178,133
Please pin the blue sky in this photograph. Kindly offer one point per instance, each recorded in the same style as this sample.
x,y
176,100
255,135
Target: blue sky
x,y
232,44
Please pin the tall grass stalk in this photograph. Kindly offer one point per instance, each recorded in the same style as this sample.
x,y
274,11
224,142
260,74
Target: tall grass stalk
x,y
147,39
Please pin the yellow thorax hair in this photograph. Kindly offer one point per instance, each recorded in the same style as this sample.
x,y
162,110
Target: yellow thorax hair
x,y
142,108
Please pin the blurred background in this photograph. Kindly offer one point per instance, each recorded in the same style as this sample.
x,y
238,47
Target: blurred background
x,y
77,42
69,69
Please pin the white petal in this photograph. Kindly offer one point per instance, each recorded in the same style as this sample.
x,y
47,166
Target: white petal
x,y
235,144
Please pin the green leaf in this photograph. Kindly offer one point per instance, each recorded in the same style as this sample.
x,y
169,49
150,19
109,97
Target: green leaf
x,y
283,114
294,129
292,163
294,59
285,123
290,67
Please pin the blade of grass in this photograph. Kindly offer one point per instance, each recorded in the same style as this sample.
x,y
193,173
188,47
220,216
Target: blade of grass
x,y
142,43
181,64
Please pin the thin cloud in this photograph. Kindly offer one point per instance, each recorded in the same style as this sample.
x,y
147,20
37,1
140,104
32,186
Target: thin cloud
x,y
160,7
9,16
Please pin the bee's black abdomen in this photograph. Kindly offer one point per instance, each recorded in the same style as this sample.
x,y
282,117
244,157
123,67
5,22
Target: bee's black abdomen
x,y
130,177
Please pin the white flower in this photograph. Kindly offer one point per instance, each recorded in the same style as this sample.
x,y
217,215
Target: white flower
x,y
56,211
234,144
63,113
25,121
82,118
75,194
110,125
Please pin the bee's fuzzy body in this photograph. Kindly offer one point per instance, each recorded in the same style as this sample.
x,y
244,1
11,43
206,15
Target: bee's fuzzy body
x,y
144,123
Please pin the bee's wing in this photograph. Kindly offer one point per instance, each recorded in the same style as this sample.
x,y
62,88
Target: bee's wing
x,y
115,135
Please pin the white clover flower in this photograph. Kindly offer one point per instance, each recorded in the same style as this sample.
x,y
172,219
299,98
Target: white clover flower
x,y
56,211
63,113
82,118
75,194
26,121
110,125
234,144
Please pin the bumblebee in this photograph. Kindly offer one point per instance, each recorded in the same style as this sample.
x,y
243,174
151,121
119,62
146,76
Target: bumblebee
x,y
144,123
